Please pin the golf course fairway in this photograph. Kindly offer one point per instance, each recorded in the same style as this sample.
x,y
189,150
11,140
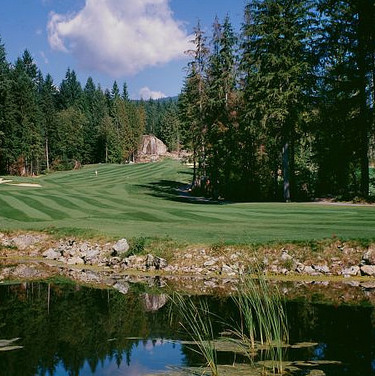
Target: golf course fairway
x,y
144,200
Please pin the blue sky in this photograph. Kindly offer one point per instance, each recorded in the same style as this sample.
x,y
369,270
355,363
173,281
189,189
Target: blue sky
x,y
140,42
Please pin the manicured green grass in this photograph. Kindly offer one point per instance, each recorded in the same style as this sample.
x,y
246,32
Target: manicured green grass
x,y
141,200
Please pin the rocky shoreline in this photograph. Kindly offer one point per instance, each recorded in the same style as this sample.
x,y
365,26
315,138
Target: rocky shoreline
x,y
31,256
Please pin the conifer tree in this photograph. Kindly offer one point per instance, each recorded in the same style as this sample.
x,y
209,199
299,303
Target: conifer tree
x,y
275,70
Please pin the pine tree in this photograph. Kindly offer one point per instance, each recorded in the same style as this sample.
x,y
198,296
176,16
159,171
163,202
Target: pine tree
x,y
347,61
220,114
47,105
70,91
275,69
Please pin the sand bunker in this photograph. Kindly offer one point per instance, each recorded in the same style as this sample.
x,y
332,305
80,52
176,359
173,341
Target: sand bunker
x,y
3,181
9,182
25,185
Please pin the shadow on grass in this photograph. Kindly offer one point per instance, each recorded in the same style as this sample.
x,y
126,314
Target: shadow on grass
x,y
176,191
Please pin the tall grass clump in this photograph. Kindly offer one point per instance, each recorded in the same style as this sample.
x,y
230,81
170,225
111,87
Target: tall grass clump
x,y
197,322
263,323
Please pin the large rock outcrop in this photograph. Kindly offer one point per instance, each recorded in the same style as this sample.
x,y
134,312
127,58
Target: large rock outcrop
x,y
151,148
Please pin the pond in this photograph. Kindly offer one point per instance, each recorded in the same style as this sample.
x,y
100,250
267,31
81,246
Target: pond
x,y
67,329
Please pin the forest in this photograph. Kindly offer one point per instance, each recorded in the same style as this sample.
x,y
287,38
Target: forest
x,y
282,109
285,108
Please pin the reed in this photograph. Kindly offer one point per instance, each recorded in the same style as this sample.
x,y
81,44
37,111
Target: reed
x,y
197,322
263,319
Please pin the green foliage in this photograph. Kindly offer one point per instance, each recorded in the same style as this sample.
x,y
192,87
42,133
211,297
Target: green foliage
x,y
136,246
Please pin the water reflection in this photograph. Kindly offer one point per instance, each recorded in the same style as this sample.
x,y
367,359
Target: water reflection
x,y
70,330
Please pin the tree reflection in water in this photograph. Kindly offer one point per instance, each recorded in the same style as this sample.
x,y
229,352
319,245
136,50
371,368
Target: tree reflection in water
x,y
67,329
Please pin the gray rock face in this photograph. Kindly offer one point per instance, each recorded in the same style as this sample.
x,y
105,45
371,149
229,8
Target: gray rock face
x,y
352,271
160,263
154,302
75,261
324,269
152,146
122,287
52,254
120,247
368,270
368,257
23,242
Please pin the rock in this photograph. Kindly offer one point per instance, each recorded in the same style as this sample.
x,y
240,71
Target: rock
x,y
368,270
321,268
299,268
285,256
122,287
52,254
351,271
150,261
316,372
22,242
152,146
27,272
75,261
91,254
120,247
115,260
226,269
211,262
368,285
153,303
160,263
368,257
310,270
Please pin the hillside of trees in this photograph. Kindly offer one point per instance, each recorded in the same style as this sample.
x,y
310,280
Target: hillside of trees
x,y
284,109
47,127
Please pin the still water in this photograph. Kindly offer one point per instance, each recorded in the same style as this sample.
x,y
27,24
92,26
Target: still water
x,y
66,329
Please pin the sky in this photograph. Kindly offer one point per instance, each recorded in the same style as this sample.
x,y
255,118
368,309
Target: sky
x,y
140,42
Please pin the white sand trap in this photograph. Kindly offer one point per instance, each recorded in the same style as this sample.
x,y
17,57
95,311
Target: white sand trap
x,y
25,185
9,182
3,181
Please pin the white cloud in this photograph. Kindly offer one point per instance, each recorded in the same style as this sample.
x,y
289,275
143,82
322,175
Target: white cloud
x,y
145,93
44,57
119,37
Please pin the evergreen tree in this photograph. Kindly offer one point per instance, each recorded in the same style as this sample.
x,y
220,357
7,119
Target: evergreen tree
x,y
275,68
47,105
220,114
70,91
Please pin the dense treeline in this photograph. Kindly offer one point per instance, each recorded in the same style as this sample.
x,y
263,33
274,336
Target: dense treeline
x,y
44,126
284,108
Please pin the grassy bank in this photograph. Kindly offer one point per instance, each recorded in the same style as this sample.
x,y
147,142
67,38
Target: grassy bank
x,y
141,200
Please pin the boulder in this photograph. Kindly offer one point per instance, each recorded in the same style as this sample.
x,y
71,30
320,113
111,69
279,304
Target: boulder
x,y
151,145
324,269
52,254
160,263
120,247
150,261
122,287
153,303
75,261
351,271
368,257
368,270
22,242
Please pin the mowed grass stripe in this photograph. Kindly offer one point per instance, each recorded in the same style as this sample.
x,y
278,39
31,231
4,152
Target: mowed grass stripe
x,y
21,209
136,200
58,207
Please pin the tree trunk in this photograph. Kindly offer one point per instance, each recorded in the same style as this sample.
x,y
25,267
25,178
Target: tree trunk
x,y
47,155
286,177
364,44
